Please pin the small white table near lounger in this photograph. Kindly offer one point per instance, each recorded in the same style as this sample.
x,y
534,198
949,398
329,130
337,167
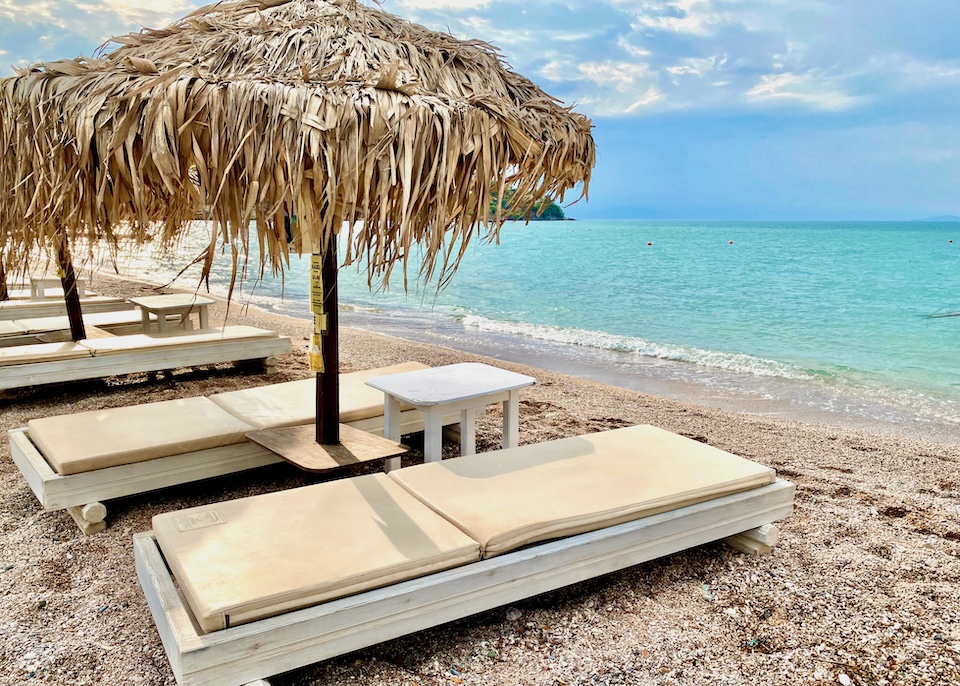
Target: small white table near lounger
x,y
39,285
174,304
467,387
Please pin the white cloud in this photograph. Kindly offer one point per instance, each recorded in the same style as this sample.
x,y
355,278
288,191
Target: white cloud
x,y
811,89
693,66
30,12
649,97
927,73
694,17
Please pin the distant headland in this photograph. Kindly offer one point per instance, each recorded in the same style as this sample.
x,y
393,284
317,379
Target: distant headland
x,y
544,209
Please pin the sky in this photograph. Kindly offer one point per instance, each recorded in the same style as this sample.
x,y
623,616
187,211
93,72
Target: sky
x,y
702,109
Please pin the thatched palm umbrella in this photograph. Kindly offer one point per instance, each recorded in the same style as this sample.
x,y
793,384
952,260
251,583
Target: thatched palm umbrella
x,y
359,121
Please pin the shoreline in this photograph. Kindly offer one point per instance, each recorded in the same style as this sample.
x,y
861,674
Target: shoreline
x,y
676,380
863,582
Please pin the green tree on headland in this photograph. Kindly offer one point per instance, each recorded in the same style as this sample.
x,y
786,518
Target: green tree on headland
x,y
551,211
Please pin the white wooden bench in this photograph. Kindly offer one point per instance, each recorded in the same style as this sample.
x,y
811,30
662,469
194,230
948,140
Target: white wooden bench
x,y
28,331
141,448
244,590
31,365
27,309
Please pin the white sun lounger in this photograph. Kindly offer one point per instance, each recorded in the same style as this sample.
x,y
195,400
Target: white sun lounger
x,y
27,309
140,448
246,589
27,331
93,358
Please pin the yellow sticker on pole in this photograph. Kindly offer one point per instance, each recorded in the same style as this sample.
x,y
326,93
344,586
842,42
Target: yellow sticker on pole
x,y
316,357
316,284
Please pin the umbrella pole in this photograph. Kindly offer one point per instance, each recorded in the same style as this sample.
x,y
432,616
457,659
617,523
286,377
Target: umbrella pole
x,y
4,294
68,278
328,385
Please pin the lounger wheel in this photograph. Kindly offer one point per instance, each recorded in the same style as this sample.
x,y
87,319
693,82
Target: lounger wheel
x,y
759,541
89,517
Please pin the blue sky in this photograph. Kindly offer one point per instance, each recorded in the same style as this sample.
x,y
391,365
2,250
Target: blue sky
x,y
703,109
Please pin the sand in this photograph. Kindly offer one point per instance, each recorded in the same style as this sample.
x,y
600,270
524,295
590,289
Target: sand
x,y
864,587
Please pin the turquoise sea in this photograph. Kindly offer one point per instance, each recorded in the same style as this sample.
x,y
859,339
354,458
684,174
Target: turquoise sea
x,y
818,320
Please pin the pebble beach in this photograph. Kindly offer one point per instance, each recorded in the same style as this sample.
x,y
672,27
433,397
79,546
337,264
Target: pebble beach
x,y
861,589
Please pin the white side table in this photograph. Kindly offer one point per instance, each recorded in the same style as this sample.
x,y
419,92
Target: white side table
x,y
468,387
180,304
39,284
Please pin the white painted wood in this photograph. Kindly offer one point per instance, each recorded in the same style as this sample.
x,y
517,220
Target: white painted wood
x,y
468,431
132,361
759,541
90,518
465,387
27,309
56,492
39,285
745,545
392,429
176,307
448,384
433,434
94,512
511,420
278,644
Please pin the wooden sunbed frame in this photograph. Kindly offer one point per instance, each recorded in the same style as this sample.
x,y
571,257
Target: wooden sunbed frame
x,y
83,495
250,653
116,322
147,360
27,309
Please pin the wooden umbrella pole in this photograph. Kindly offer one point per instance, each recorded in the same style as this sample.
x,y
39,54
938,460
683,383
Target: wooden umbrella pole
x,y
4,293
328,384
71,294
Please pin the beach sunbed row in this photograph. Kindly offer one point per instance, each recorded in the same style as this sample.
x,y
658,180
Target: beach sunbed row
x,y
249,588
32,330
140,448
53,307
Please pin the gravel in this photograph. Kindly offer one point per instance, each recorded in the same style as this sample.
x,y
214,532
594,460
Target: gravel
x,y
861,589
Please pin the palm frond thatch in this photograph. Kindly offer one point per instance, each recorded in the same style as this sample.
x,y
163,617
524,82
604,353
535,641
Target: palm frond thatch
x,y
341,111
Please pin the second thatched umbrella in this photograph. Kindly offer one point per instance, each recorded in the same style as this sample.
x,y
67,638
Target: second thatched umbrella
x,y
359,122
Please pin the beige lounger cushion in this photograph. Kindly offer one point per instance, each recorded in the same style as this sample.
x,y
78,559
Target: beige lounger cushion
x,y
52,303
509,498
43,324
41,352
294,403
9,328
255,557
97,439
124,344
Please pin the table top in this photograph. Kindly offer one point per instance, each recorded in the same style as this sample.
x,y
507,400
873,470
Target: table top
x,y
298,445
450,383
159,302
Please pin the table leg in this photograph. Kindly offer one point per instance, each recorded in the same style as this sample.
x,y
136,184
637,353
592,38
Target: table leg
x,y
391,428
468,431
162,321
204,318
433,434
145,319
511,420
